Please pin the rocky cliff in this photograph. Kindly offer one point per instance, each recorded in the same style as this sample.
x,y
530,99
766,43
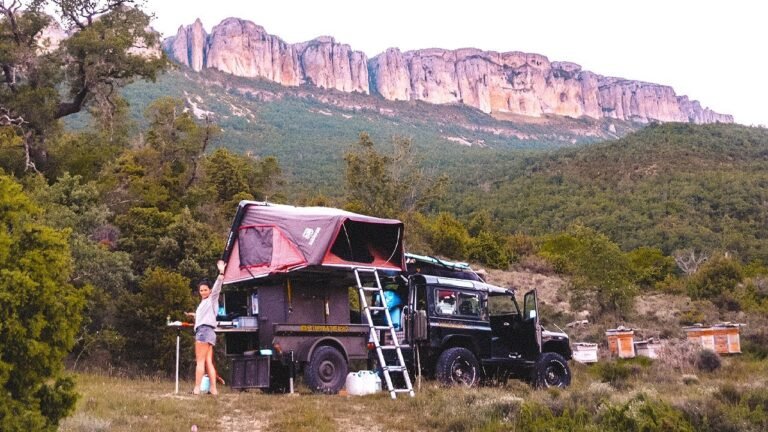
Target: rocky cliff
x,y
245,49
526,84
510,82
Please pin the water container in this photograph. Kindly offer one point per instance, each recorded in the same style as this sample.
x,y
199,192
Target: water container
x,y
362,383
205,384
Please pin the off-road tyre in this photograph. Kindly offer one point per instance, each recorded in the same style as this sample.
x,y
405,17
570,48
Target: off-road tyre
x,y
326,371
457,367
551,370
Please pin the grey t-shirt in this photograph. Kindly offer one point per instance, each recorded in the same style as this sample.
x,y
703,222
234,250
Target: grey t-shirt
x,y
208,308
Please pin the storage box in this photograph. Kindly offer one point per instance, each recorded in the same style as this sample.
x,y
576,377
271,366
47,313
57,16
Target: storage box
x,y
247,321
250,372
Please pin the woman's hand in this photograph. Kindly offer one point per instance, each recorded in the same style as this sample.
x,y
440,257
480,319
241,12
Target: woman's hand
x,y
221,265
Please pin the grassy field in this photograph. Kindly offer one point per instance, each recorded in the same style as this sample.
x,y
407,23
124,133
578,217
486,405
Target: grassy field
x,y
619,395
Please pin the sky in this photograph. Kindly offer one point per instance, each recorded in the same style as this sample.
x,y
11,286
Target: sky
x,y
713,51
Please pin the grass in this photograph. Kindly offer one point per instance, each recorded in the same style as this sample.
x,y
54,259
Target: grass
x,y
148,404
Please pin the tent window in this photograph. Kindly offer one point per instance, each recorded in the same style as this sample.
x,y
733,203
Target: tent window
x,y
367,243
255,245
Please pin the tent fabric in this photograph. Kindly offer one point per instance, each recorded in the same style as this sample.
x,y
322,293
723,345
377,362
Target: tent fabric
x,y
271,238
255,245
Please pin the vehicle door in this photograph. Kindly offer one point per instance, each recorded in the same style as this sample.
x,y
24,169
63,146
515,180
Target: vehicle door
x,y
530,327
415,312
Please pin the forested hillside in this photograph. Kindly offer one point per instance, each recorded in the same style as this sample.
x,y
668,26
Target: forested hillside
x,y
308,128
670,186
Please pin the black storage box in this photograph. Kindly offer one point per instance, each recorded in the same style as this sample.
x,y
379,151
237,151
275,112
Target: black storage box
x,y
250,371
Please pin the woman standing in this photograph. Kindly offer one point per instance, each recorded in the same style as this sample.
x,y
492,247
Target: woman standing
x,y
205,324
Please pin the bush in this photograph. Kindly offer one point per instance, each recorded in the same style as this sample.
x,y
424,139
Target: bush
x,y
677,357
708,361
644,415
488,249
40,313
719,275
616,373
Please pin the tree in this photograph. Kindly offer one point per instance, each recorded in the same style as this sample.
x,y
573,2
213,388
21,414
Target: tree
x,y
650,265
689,260
110,45
387,186
142,318
40,313
717,277
596,264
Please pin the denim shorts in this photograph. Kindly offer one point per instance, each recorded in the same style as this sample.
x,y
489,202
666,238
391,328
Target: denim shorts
x,y
205,333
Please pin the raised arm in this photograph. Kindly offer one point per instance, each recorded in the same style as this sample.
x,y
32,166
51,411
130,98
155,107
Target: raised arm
x,y
216,289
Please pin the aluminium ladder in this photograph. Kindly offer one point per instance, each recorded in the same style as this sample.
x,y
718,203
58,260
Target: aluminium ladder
x,y
395,345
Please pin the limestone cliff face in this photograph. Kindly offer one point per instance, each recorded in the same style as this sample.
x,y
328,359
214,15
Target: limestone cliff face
x,y
245,49
526,84
510,82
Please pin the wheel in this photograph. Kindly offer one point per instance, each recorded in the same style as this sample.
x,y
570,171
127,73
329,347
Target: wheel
x,y
457,366
551,370
326,371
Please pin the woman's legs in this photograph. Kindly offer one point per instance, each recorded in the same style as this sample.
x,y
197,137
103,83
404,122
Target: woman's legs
x,y
211,370
201,354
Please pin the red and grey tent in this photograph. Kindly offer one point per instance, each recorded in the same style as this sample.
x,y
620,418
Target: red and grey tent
x,y
268,239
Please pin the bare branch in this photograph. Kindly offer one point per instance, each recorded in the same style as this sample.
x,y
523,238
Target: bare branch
x,y
688,262
8,119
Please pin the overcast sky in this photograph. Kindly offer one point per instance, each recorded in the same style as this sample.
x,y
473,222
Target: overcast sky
x,y
712,51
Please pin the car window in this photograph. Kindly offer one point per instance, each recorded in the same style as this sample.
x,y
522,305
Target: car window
x,y
501,305
445,302
454,302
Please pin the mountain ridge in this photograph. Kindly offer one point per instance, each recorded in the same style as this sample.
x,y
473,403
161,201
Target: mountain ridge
x,y
508,83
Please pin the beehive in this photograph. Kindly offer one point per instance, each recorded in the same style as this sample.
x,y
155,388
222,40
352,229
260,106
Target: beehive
x,y
648,348
584,352
720,338
621,342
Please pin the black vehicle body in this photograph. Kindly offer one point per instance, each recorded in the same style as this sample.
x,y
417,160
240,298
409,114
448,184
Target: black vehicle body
x,y
444,313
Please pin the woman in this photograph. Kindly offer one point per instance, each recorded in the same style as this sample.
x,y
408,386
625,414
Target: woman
x,y
205,323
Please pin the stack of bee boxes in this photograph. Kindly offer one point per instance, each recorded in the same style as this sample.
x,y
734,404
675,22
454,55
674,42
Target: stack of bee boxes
x,y
621,342
721,338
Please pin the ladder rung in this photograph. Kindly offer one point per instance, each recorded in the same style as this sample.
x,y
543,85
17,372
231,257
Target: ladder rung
x,y
370,288
382,327
394,368
390,347
377,308
366,269
402,390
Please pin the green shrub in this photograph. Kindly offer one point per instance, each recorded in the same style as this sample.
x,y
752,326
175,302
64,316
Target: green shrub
x,y
644,415
718,276
488,249
40,314
616,373
596,264
708,361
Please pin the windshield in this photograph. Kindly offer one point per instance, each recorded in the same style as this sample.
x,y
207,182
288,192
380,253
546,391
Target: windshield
x,y
502,304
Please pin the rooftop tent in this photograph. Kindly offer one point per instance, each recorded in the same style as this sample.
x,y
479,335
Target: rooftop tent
x,y
268,239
